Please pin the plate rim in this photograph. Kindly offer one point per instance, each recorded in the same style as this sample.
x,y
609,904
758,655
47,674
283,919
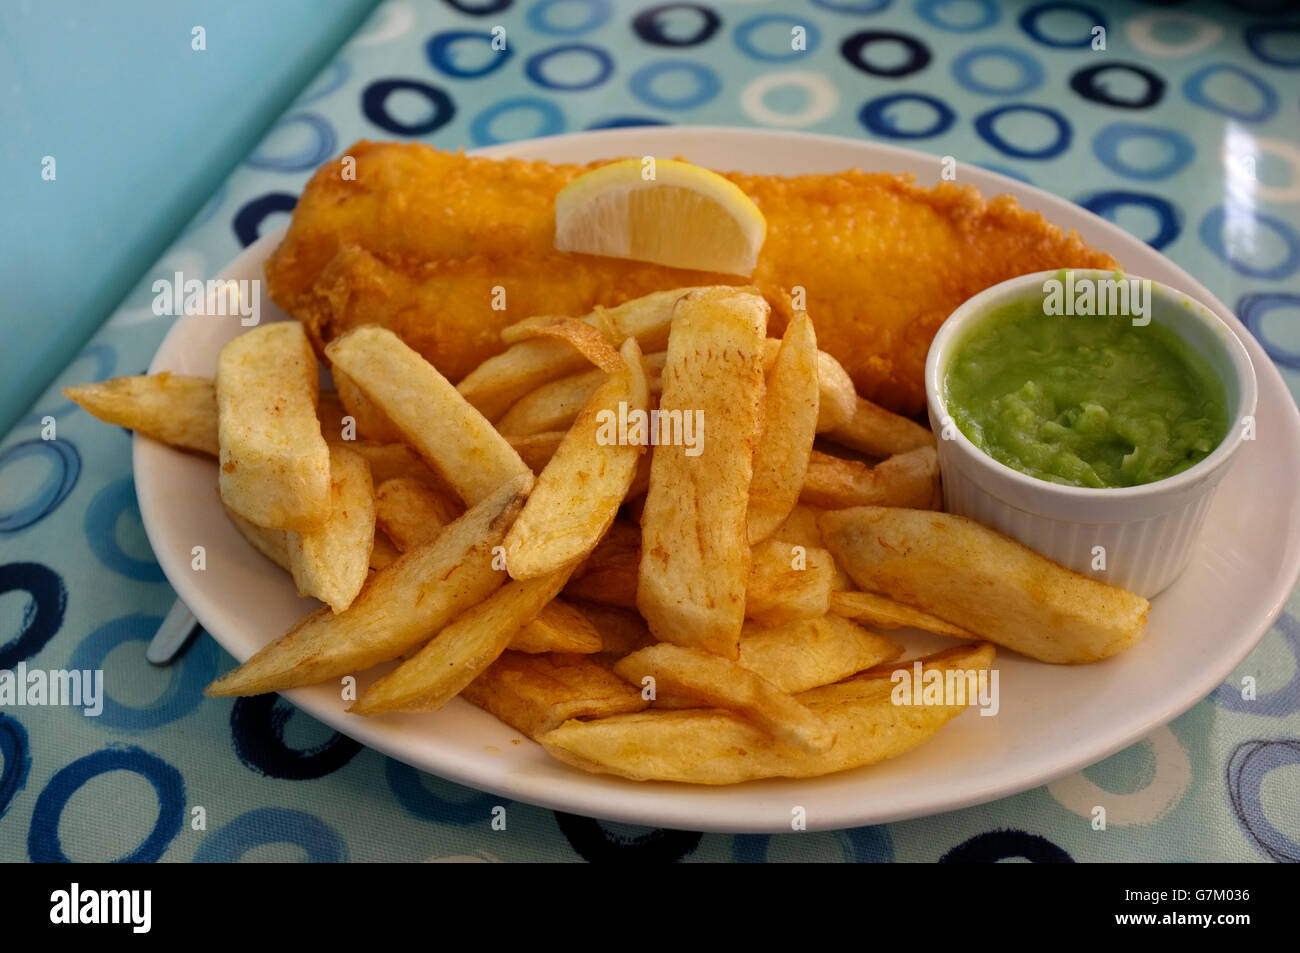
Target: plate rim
x,y
669,794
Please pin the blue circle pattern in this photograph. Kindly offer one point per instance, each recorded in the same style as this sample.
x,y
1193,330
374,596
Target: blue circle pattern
x,y
42,618
273,825
480,10
248,220
1109,139
992,846
1030,78
551,119
1029,23
1251,309
855,46
43,845
374,104
257,728
534,67
707,84
626,122
931,12
440,49
853,6
1194,89
1257,32
986,126
539,17
15,761
646,25
1106,203
874,115
187,675
1212,235
1087,83
1249,764
65,468
324,142
419,801
101,524
743,37
596,843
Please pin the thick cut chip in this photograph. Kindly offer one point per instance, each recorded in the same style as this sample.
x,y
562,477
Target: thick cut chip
x,y
609,574
535,693
908,479
589,341
694,553
719,682
789,426
411,512
399,608
559,628
836,395
553,406
174,409
800,529
453,438
871,608
788,582
460,652
385,551
275,466
499,381
580,490
984,582
878,432
332,416
271,543
371,422
713,746
333,562
811,652
621,630
537,449
391,461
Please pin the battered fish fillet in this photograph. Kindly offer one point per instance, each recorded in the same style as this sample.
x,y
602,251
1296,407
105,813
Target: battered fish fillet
x,y
420,239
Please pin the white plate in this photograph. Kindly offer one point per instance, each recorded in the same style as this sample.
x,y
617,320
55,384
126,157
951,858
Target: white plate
x,y
1053,720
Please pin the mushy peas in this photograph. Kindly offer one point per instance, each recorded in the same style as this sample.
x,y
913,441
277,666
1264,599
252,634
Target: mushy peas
x,y
1090,401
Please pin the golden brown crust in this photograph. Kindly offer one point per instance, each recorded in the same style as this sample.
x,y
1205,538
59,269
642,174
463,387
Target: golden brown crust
x,y
420,239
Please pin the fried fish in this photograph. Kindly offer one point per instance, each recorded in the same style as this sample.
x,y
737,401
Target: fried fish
x,y
446,250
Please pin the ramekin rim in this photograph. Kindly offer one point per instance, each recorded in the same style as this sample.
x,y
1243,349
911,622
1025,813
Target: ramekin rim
x,y
1248,395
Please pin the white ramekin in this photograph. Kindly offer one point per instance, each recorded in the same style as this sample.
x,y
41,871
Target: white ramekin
x,y
1147,532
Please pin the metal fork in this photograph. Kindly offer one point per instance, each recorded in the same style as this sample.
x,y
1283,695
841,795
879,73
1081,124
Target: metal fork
x,y
173,636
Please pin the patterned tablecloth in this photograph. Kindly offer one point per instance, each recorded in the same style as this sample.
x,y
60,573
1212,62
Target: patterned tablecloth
x,y
1181,129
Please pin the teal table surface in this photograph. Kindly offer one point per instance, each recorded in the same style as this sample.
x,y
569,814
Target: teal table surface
x,y
1182,128
120,120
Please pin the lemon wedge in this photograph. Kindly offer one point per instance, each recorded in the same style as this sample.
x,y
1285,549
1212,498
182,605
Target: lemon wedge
x,y
683,216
